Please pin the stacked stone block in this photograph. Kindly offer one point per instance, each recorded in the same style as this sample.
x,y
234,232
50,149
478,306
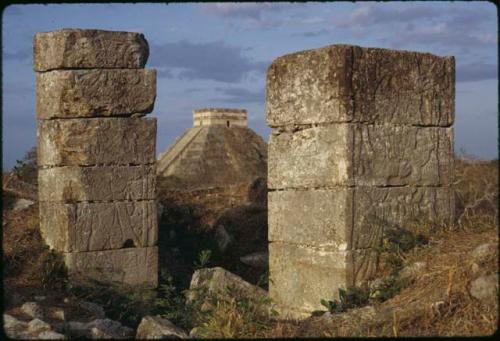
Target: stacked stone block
x,y
361,141
96,153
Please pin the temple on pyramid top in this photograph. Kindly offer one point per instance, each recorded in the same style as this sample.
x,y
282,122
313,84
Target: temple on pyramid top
x,y
220,116
218,150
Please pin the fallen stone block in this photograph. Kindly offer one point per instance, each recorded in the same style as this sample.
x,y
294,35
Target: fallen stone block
x,y
309,275
88,49
134,266
360,154
341,83
96,141
33,310
353,217
79,227
100,329
94,93
102,183
156,327
217,280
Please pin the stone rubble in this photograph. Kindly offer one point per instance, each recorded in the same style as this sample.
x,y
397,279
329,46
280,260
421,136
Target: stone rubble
x,y
156,327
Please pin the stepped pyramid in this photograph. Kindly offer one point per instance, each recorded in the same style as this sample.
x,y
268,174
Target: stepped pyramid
x,y
218,150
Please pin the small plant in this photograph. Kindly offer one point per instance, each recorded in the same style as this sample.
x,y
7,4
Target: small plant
x,y
203,259
236,316
397,239
26,168
53,272
389,288
352,297
172,304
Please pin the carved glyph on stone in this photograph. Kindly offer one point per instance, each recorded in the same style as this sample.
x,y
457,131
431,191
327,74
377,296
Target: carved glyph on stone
x,y
361,142
89,49
96,158
94,93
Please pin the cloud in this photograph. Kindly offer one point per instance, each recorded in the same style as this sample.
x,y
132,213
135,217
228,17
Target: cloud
x,y
22,54
312,34
240,95
461,27
476,72
251,11
208,61
260,15
369,14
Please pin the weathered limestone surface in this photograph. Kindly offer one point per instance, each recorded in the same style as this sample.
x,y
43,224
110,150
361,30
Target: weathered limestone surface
x,y
93,93
135,266
361,142
96,154
88,49
393,155
360,154
303,276
96,141
321,218
340,83
307,157
347,218
99,226
104,183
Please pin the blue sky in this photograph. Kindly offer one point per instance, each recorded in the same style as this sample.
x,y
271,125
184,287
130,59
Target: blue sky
x,y
216,54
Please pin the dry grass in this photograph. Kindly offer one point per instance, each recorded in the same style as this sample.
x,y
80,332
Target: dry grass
x,y
437,303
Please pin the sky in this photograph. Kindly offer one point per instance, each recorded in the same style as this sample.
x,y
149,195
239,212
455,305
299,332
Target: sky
x,y
216,55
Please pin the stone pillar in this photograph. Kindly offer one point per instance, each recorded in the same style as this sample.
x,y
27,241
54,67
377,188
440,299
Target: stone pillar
x,y
361,141
96,153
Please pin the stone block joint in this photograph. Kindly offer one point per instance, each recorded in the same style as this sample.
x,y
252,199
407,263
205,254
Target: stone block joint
x,y
96,157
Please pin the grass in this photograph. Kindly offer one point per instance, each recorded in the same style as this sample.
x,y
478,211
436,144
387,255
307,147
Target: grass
x,y
437,302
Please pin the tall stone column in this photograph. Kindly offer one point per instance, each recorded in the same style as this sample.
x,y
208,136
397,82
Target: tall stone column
x,y
96,153
361,141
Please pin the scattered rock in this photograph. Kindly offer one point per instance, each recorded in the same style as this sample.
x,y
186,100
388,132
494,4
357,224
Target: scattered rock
x,y
412,270
222,237
77,329
50,335
483,252
195,333
256,260
155,327
13,327
38,326
101,329
22,204
93,308
32,309
475,268
485,288
57,313
216,281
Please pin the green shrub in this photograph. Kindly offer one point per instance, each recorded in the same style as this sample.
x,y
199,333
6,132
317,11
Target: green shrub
x,y
172,304
26,168
352,297
389,288
53,272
